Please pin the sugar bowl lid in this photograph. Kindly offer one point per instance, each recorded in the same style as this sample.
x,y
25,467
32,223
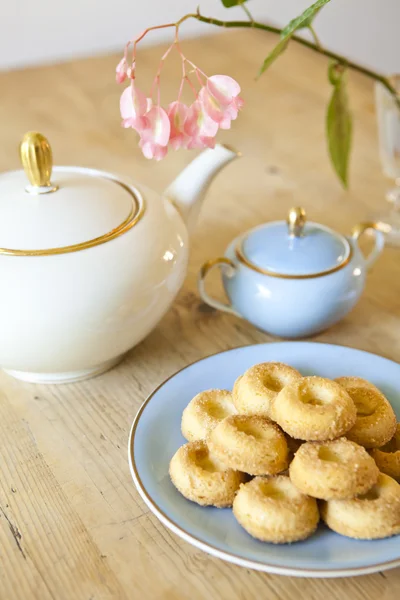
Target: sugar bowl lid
x,y
294,249
46,210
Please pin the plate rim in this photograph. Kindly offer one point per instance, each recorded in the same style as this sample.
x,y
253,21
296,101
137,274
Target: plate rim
x,y
209,548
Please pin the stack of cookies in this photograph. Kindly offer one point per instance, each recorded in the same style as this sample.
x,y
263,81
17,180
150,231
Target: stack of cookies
x,y
284,450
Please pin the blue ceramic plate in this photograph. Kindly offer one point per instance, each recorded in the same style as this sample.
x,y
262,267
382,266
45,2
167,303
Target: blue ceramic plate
x,y
155,437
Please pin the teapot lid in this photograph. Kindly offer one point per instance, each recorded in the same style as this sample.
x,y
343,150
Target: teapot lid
x,y
52,211
294,249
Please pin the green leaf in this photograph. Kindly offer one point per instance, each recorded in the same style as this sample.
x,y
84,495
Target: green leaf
x,y
302,20
230,3
339,124
305,19
308,22
273,55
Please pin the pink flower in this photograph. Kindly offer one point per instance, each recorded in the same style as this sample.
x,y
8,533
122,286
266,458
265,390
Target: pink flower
x,y
201,130
133,106
153,150
223,88
231,113
220,98
177,113
154,135
198,123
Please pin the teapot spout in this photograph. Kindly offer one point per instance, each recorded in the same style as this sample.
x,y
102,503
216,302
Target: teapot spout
x,y
188,190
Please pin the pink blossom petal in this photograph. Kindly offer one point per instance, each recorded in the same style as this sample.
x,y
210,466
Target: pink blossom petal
x,y
158,128
223,88
212,107
208,142
198,122
191,126
121,71
225,123
139,101
151,150
231,113
179,141
238,102
177,112
160,152
147,149
136,123
126,104
130,71
140,124
201,142
220,113
133,102
194,142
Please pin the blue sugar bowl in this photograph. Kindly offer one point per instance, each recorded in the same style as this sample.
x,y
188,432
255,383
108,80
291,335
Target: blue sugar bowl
x,y
293,278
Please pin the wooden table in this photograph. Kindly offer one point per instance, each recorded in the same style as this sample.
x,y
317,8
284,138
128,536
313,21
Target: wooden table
x,y
72,526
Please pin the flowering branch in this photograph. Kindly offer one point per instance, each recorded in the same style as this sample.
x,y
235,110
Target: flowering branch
x,y
217,101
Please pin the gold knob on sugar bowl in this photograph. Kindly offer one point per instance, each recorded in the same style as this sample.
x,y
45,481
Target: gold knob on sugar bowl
x,y
37,161
296,221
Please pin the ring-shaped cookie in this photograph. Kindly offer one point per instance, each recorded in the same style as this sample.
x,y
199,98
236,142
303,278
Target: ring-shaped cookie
x,y
204,412
388,457
376,422
314,409
202,478
370,516
272,509
254,391
250,443
335,469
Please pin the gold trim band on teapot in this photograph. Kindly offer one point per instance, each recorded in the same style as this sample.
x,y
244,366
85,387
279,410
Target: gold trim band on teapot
x,y
37,160
136,213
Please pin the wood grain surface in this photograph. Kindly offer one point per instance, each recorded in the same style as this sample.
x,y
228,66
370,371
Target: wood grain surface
x,y
72,526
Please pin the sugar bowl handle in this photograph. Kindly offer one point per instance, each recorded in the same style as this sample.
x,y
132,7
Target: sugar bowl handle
x,y
222,263
358,231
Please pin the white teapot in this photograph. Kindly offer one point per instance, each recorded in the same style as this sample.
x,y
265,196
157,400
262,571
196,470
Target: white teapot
x,y
89,262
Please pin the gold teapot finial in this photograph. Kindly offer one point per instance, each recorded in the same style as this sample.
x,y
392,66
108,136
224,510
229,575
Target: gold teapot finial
x,y
296,220
37,160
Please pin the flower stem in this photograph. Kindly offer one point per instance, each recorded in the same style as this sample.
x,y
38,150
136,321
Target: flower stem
x,y
315,36
246,10
312,46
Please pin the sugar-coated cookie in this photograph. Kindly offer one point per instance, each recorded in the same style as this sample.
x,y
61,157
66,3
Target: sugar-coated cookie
x,y
376,422
333,469
388,457
204,412
250,443
202,478
254,391
370,516
314,409
272,509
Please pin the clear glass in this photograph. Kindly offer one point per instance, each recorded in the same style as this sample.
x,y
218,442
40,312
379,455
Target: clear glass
x,y
388,115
